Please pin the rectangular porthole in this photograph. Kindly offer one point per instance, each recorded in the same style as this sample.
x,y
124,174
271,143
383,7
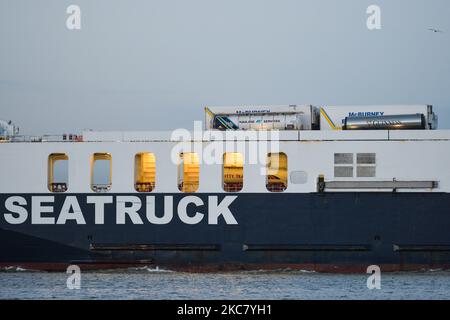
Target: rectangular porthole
x,y
101,172
366,165
58,172
343,158
365,158
343,165
343,172
144,172
277,168
365,172
233,172
188,172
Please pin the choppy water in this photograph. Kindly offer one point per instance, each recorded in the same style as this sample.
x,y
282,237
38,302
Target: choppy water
x,y
145,283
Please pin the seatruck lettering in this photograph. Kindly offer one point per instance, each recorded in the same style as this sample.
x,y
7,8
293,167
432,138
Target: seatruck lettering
x,y
126,209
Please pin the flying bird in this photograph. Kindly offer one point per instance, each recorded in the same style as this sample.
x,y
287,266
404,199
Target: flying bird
x,y
435,30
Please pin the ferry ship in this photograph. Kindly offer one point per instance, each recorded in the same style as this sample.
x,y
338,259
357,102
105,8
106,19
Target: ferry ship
x,y
331,188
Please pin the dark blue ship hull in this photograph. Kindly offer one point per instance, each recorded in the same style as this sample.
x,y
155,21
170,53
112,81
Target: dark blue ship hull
x,y
319,231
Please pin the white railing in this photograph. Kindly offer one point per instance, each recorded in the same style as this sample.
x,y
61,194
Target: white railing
x,y
44,138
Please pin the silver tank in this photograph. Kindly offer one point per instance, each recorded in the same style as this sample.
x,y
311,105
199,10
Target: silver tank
x,y
393,122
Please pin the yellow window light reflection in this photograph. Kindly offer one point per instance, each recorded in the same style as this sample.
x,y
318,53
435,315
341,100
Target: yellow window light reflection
x,y
276,180
144,172
233,171
188,172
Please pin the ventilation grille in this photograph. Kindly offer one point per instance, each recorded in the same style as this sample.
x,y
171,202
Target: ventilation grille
x,y
344,166
343,158
365,158
365,172
343,172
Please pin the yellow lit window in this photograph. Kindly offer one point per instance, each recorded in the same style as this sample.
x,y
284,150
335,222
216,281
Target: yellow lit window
x,y
101,172
188,172
144,172
58,172
276,180
233,172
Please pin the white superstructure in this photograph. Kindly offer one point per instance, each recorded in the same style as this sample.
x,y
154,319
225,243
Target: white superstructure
x,y
331,160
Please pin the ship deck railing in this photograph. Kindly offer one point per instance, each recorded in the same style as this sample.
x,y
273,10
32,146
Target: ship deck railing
x,y
241,135
44,138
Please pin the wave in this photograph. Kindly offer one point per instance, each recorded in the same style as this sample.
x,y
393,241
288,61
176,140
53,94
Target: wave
x,y
15,269
150,269
281,270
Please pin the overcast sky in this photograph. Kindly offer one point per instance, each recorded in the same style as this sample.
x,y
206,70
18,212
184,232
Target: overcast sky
x,y
154,65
